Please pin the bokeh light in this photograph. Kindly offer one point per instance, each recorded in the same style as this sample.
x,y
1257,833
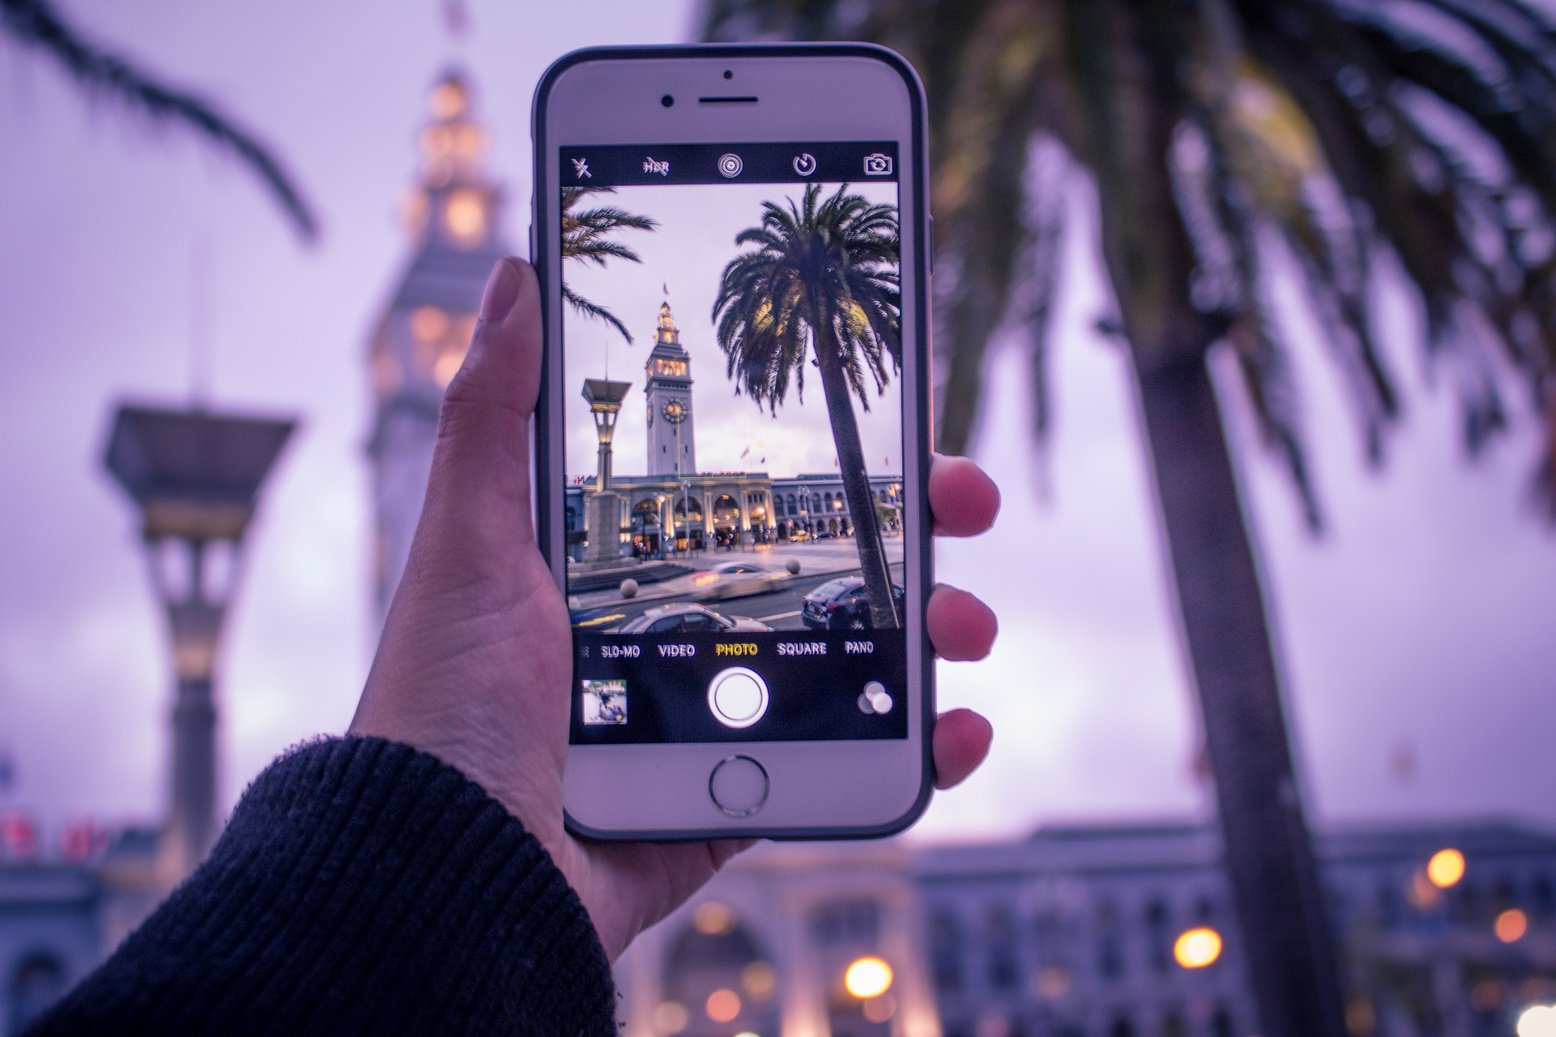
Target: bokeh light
x,y
759,980
1446,868
867,977
713,919
1511,925
1537,1021
880,1009
1197,948
670,1017
723,1005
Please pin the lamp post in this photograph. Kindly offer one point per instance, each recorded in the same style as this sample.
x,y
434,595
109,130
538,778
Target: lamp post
x,y
686,509
194,476
602,508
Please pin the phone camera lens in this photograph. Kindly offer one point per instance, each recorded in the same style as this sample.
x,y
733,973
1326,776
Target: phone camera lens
x,y
667,100
729,74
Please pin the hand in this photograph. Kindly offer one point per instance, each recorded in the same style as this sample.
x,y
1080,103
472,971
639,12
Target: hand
x,y
475,657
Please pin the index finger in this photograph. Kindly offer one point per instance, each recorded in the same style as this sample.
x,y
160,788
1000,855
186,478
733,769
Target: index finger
x,y
962,497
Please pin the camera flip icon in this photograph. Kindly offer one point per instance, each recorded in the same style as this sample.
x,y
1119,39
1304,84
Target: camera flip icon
x,y
877,164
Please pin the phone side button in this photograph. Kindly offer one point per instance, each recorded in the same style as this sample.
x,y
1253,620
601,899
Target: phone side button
x,y
738,786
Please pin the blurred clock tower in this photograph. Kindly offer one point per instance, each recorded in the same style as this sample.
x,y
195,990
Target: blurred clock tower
x,y
672,448
420,338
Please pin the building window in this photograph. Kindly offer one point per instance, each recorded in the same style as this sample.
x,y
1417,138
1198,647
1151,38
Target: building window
x,y
945,952
1543,896
1157,936
1110,951
1388,905
1000,937
1110,958
854,922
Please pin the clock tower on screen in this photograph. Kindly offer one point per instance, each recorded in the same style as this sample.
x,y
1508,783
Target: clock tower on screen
x,y
672,448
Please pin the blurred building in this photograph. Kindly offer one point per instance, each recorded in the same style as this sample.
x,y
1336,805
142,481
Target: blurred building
x,y
1092,931
418,342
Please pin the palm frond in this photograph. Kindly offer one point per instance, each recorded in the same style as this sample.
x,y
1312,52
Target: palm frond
x,y
594,310
37,24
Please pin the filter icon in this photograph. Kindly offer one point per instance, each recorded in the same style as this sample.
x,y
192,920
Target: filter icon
x,y
730,165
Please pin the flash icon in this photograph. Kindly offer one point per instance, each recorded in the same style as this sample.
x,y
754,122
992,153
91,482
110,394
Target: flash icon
x,y
581,169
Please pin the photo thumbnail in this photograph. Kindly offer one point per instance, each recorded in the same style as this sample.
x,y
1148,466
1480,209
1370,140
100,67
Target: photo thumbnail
x,y
604,702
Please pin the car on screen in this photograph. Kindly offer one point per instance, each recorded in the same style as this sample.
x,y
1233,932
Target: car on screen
x,y
841,604
734,579
686,617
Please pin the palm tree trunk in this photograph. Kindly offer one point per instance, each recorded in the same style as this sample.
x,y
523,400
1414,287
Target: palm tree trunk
x,y
1275,883
1127,57
856,487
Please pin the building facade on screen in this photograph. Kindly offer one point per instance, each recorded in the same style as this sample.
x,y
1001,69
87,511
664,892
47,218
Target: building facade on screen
x,y
675,507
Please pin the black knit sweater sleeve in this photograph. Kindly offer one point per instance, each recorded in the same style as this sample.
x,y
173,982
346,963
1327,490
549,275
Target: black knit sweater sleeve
x,y
360,887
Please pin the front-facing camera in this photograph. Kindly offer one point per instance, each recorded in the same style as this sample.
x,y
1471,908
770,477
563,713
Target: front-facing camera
x,y
667,100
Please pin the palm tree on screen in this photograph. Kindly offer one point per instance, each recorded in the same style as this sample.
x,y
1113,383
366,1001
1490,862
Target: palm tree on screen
x,y
587,235
821,286
1222,140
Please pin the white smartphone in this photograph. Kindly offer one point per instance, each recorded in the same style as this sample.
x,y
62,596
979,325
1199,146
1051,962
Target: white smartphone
x,y
733,436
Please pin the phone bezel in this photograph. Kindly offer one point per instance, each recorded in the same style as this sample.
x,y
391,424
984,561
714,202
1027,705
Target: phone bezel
x,y
899,772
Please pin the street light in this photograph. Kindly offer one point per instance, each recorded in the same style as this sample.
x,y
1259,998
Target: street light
x,y
1197,948
1445,868
1537,1021
867,977
194,476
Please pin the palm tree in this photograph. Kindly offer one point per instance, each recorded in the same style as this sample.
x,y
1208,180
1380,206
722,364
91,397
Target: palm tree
x,y
1219,135
35,23
823,283
586,235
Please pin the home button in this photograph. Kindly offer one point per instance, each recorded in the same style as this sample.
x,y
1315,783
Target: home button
x,y
738,786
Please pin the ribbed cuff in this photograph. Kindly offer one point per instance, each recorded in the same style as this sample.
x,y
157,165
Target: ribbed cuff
x,y
361,886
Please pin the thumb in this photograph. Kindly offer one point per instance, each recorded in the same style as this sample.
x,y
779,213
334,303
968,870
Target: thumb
x,y
481,459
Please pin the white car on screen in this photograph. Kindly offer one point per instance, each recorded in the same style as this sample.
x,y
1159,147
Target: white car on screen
x,y
685,617
734,579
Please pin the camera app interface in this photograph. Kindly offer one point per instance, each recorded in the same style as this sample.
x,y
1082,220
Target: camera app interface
x,y
732,365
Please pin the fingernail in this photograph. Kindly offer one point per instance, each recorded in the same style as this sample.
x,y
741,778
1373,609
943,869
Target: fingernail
x,y
502,289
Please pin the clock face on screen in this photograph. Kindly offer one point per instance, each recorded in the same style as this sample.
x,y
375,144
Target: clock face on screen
x,y
676,412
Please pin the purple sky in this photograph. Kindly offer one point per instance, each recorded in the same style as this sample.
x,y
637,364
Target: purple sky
x,y
1422,620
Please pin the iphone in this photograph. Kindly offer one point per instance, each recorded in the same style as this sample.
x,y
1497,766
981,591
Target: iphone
x,y
733,436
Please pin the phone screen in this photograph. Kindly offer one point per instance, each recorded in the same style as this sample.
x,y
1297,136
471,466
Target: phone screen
x,y
735,521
